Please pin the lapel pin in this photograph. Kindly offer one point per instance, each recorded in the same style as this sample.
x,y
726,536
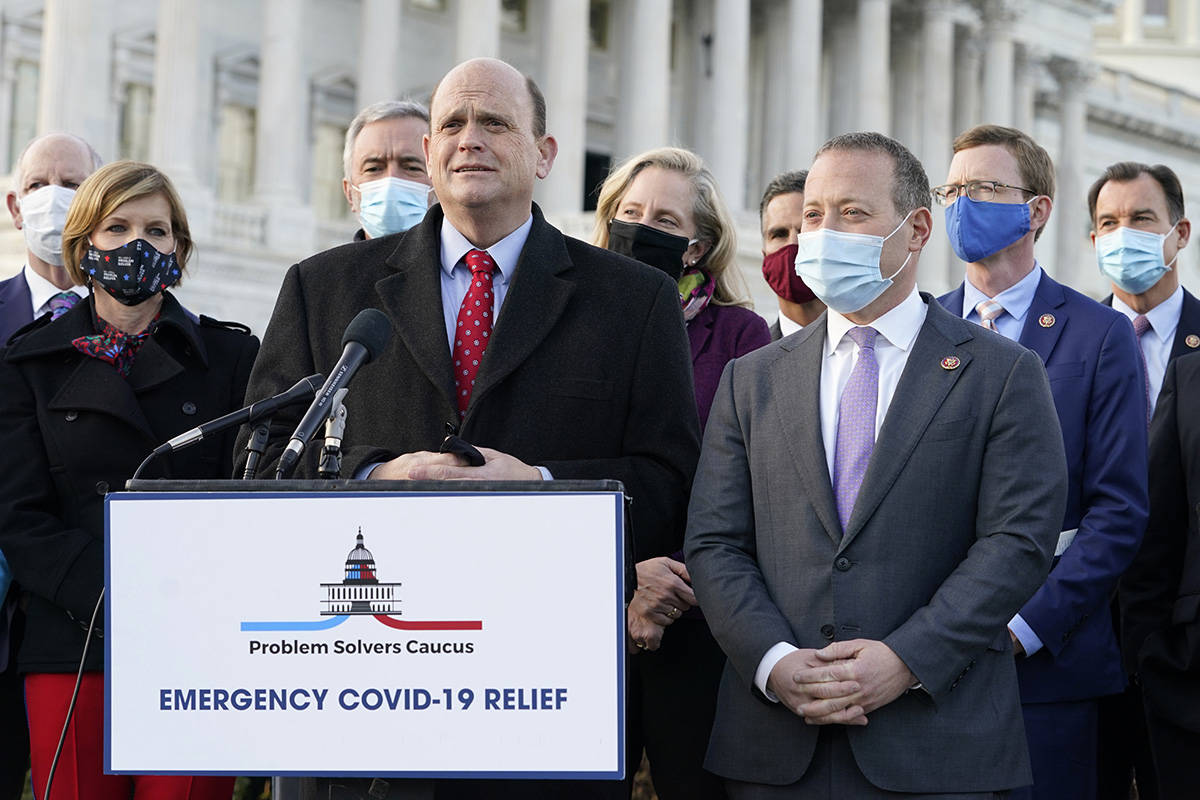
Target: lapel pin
x,y
1046,320
950,362
1192,341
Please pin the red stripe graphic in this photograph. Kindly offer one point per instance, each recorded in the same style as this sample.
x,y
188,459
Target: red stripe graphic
x,y
449,625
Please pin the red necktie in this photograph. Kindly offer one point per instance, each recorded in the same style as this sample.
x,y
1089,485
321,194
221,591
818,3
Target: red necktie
x,y
474,327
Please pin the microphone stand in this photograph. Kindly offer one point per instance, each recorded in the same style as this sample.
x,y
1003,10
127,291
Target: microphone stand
x,y
330,467
255,448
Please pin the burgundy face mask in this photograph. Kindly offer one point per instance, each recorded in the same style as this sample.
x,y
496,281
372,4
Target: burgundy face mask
x,y
779,268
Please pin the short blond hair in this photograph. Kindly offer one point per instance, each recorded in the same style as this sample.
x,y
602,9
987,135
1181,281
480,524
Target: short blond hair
x,y
106,190
713,221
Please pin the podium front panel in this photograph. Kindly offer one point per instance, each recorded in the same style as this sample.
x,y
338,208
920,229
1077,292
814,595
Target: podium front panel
x,y
419,634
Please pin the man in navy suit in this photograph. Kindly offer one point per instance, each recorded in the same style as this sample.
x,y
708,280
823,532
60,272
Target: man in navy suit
x,y
1138,228
998,197
52,166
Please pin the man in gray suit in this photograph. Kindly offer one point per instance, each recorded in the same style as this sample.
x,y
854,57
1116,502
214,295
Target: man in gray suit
x,y
859,541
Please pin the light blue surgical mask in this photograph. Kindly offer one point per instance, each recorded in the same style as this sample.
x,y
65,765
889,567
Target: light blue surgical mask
x,y
842,269
391,205
1133,259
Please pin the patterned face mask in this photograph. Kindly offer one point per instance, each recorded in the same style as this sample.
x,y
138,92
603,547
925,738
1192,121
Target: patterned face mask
x,y
131,273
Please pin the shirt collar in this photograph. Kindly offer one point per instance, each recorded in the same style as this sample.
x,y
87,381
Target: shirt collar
x,y
1015,300
1163,318
899,326
505,253
787,325
41,290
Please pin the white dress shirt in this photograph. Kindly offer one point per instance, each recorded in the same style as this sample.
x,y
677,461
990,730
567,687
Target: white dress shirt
x,y
41,290
898,329
788,326
1156,343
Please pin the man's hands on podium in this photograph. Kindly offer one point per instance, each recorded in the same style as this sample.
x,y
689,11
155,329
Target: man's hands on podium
x,y
841,683
663,593
426,466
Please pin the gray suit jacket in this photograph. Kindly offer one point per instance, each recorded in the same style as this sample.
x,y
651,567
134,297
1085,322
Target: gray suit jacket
x,y
954,529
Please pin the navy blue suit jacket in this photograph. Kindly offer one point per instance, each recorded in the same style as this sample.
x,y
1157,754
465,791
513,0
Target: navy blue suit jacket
x,y
1189,326
15,310
1091,358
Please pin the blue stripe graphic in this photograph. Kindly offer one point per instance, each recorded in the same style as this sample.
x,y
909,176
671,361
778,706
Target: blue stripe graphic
x,y
318,625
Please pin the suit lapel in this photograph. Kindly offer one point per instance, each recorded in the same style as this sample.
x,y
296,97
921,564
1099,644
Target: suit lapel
x,y
923,387
1046,318
1188,329
798,402
536,299
412,298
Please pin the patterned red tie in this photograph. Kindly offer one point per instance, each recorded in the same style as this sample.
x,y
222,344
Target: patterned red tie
x,y
474,327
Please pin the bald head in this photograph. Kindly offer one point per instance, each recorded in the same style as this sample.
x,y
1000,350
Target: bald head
x,y
495,70
64,155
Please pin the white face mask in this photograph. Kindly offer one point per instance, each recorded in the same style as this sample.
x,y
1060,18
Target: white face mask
x,y
43,214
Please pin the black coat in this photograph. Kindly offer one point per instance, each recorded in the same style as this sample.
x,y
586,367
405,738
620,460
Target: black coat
x,y
588,371
72,429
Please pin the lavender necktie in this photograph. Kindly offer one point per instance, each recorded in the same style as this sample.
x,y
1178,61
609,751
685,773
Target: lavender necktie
x,y
856,423
1140,326
61,303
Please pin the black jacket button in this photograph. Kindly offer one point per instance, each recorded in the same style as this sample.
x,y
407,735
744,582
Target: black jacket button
x,y
72,416
843,564
827,631
189,408
101,487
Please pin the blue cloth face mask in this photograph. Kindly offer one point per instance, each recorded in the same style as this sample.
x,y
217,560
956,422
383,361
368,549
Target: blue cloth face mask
x,y
1133,259
391,205
980,228
842,269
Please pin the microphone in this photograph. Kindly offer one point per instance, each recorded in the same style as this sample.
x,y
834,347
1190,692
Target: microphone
x,y
365,337
304,389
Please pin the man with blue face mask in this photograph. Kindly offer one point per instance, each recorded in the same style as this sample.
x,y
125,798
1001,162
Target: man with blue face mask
x,y
384,178
998,199
1139,229
864,521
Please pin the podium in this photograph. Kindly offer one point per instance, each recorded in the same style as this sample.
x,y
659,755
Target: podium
x,y
366,628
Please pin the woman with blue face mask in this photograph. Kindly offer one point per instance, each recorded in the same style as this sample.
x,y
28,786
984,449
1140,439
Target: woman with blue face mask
x,y
83,399
663,208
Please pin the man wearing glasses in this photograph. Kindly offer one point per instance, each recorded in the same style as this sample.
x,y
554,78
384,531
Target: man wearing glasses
x,y
998,198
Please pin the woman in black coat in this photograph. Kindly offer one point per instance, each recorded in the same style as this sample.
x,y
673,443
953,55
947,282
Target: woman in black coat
x,y
83,400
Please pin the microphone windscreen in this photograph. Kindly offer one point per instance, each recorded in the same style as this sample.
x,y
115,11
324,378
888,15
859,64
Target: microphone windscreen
x,y
372,329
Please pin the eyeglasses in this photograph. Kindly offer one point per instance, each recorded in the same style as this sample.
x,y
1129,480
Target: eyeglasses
x,y
979,191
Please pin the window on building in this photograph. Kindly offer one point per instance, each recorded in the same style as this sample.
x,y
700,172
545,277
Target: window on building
x,y
235,153
514,16
595,170
1155,12
23,123
599,17
328,201
137,108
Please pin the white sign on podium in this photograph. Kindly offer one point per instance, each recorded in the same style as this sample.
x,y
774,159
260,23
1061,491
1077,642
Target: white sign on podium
x,y
361,633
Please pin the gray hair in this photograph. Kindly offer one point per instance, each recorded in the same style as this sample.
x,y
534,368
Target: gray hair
x,y
911,190
377,112
18,173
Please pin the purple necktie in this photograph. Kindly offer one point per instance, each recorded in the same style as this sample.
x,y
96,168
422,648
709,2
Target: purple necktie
x,y
1140,326
61,303
856,423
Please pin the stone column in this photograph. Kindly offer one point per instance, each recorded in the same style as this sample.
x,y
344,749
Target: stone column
x,y
378,55
937,80
1069,200
966,86
644,102
731,73
1191,24
180,132
282,158
1028,67
75,72
874,65
1129,19
804,61
998,16
478,29
565,84
906,80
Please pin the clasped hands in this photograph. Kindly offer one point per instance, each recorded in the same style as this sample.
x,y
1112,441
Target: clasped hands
x,y
664,592
840,684
426,466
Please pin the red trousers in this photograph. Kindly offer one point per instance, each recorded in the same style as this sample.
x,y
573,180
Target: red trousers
x,y
80,771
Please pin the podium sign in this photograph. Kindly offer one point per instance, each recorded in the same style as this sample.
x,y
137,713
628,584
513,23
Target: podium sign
x,y
443,634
